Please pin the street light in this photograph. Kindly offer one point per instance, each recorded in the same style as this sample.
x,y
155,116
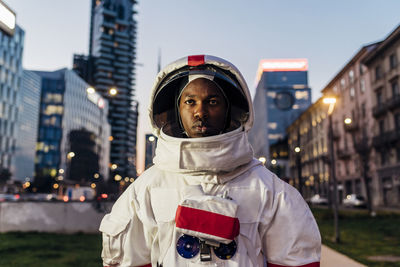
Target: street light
x,y
298,163
262,159
113,91
332,101
70,155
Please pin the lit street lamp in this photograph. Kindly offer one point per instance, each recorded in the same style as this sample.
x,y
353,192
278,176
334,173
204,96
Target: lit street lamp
x,y
332,101
299,174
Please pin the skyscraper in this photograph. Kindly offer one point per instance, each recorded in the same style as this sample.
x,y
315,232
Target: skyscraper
x,y
11,48
27,124
73,144
110,68
282,94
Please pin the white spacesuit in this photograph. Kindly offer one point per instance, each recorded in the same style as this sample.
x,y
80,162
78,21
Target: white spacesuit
x,y
206,201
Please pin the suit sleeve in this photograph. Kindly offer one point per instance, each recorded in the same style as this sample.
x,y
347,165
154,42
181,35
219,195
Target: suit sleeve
x,y
126,240
289,233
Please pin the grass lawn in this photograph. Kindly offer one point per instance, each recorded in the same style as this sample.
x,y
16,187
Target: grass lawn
x,y
361,235
53,250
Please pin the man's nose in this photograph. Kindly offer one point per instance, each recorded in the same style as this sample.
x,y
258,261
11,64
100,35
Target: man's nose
x,y
201,111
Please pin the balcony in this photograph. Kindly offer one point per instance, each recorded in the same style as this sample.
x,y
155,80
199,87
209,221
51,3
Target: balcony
x,y
344,153
382,139
362,146
379,110
351,127
108,12
394,102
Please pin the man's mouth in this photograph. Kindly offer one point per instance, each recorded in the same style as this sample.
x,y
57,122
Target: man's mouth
x,y
200,127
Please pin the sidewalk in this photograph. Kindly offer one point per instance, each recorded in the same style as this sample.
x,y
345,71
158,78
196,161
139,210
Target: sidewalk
x,y
332,258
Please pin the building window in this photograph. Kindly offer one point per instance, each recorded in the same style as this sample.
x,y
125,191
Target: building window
x,y
363,110
352,92
378,72
381,127
398,154
395,88
393,61
383,157
379,98
351,76
362,85
397,121
342,83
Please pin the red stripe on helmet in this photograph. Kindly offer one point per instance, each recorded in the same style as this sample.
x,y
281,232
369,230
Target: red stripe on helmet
x,y
195,60
207,222
313,264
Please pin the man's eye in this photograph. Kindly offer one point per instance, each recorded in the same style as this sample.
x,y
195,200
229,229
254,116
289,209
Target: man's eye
x,y
189,102
213,102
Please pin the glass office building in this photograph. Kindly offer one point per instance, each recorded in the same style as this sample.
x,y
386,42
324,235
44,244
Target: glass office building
x,y
11,50
282,94
73,140
27,126
110,68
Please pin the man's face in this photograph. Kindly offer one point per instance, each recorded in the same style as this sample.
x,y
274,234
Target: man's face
x,y
202,108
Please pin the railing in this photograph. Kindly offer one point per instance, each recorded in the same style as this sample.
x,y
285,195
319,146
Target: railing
x,y
394,102
343,153
379,110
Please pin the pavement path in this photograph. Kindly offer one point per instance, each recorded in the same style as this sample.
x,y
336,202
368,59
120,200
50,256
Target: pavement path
x,y
332,258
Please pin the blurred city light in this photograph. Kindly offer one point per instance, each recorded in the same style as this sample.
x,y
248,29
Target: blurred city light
x,y
262,159
90,90
70,155
273,162
347,121
297,149
113,91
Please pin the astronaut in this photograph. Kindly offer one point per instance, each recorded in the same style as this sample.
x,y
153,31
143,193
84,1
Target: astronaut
x,y
206,201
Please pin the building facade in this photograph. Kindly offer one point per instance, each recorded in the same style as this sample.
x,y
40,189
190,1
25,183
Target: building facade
x,y
383,64
27,125
73,139
308,151
282,94
11,52
366,129
110,68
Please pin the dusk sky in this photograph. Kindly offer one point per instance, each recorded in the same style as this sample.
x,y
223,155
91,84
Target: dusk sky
x,y
327,33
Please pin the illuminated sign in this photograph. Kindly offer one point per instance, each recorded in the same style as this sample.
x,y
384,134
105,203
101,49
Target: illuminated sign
x,y
7,19
271,65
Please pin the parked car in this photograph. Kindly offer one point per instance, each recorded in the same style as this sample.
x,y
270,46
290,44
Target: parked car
x,y
9,197
355,201
318,200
